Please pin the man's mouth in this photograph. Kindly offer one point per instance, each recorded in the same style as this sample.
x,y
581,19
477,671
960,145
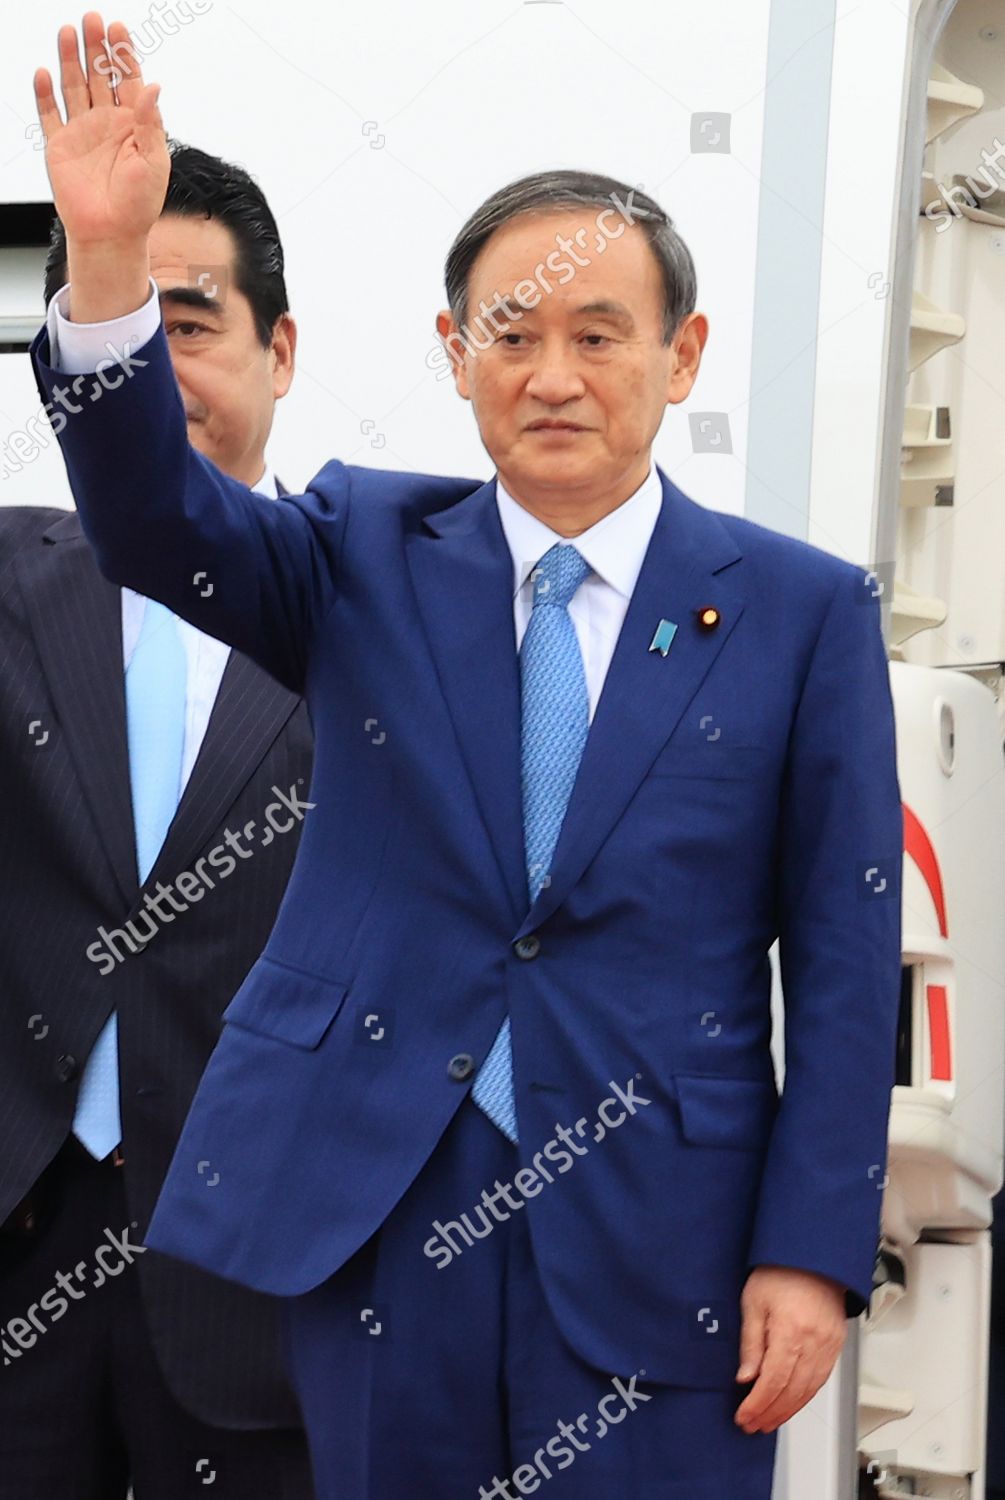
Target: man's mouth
x,y
555,424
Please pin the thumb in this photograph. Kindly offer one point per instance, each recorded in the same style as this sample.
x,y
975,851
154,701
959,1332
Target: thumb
x,y
752,1338
148,125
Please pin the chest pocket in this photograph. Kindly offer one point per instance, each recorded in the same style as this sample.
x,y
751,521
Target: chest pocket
x,y
722,762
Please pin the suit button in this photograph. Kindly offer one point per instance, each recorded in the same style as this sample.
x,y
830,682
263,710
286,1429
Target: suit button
x,y
527,947
66,1067
461,1067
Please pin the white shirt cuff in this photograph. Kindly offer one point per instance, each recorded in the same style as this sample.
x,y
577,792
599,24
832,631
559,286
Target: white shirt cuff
x,y
79,348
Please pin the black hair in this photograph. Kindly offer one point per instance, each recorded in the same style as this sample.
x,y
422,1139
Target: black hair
x,y
204,186
546,191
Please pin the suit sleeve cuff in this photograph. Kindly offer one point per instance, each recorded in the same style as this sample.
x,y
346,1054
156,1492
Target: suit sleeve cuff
x,y
857,1296
79,348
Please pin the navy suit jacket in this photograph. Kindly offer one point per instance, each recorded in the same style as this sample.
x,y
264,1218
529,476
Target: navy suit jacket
x,y
742,787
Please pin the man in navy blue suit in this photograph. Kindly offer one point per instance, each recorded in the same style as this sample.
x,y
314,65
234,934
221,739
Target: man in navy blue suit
x,y
495,1111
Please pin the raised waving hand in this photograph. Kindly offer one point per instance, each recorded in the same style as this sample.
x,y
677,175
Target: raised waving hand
x,y
108,164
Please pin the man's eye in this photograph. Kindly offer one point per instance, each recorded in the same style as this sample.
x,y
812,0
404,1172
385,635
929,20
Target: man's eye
x,y
596,340
187,328
512,339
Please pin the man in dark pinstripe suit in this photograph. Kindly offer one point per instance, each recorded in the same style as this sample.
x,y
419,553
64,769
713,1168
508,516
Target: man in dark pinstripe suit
x,y
121,1367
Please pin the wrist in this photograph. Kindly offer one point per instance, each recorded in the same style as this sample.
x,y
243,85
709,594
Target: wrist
x,y
108,278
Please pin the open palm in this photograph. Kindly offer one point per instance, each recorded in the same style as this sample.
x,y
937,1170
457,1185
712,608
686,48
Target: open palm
x,y
108,162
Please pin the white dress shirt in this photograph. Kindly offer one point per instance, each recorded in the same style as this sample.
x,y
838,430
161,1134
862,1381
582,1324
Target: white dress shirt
x,y
206,658
614,546
76,349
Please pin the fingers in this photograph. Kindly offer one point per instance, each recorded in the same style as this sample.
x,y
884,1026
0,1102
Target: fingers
x,y
148,126
76,94
790,1376
776,1374
100,70
107,65
128,73
752,1341
806,1379
49,116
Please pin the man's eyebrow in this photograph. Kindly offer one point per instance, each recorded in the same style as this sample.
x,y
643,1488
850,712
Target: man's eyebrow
x,y
614,310
191,296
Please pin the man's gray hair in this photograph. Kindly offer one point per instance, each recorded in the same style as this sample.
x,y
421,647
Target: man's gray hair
x,y
544,192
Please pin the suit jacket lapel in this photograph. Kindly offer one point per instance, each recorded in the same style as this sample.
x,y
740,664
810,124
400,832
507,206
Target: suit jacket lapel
x,y
68,600
463,575
645,694
249,712
76,616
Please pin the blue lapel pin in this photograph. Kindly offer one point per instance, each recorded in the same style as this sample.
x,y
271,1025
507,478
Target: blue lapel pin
x,y
665,632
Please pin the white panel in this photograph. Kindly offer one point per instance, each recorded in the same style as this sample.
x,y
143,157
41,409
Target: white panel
x,y
375,131
863,162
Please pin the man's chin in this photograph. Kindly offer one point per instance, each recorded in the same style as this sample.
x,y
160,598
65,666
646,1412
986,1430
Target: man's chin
x,y
568,471
200,442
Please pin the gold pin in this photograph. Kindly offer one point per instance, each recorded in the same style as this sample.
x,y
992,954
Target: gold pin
x,y
708,617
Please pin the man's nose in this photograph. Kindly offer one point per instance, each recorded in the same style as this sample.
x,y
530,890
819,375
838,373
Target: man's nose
x,y
554,378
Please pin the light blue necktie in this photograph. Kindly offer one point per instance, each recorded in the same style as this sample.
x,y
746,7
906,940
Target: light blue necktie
x,y
156,682
555,718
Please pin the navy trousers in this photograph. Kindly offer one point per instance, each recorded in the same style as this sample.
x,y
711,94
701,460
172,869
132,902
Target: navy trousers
x,y
439,1374
85,1412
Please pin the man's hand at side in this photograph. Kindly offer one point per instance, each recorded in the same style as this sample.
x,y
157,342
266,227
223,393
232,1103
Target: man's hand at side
x,y
793,1327
108,164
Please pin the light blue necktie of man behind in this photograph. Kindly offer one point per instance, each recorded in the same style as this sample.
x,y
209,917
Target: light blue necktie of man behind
x,y
555,719
156,684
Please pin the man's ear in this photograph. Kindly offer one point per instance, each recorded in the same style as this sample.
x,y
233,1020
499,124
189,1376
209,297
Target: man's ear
x,y
689,341
284,353
455,350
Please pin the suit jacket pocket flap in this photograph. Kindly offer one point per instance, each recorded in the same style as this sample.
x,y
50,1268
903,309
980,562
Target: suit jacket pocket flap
x,y
717,1110
288,1004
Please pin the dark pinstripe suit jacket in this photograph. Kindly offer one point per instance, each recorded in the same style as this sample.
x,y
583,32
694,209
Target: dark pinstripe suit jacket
x,y
68,868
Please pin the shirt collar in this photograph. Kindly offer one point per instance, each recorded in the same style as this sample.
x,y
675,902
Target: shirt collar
x,y
614,547
267,485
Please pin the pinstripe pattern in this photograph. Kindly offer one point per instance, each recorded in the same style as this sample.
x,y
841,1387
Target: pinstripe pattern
x,y
70,868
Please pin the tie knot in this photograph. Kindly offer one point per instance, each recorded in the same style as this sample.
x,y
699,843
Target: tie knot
x,y
558,575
